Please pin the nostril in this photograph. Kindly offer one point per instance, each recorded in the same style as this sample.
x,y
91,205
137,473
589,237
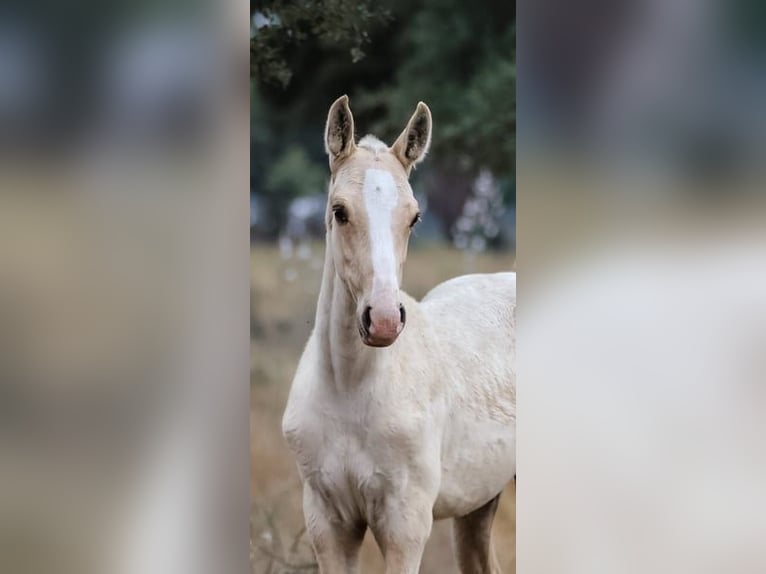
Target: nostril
x,y
366,321
402,313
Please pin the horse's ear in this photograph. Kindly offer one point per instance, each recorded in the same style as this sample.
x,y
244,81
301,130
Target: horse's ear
x,y
412,145
339,131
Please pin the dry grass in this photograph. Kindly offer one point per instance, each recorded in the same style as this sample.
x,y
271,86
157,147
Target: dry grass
x,y
282,317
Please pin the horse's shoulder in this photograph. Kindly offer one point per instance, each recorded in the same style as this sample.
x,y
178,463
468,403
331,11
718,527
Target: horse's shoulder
x,y
307,363
473,319
303,387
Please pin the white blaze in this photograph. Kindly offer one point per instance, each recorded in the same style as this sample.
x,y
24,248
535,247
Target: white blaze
x,y
380,198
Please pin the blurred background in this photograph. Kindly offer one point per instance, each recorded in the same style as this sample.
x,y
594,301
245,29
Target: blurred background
x,y
642,286
123,287
457,57
148,319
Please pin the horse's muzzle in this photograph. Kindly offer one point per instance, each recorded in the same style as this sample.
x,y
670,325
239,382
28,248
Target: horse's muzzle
x,y
379,327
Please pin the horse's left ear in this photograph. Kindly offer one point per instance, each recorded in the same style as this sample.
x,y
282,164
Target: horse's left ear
x,y
412,145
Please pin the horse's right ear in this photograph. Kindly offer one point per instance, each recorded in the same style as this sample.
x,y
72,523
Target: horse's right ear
x,y
339,131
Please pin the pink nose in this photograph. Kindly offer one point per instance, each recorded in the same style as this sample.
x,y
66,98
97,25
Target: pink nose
x,y
381,326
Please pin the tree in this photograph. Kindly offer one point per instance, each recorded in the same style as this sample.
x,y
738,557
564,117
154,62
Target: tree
x,y
458,57
280,26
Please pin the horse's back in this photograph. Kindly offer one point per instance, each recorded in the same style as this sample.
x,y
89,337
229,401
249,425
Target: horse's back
x,y
494,284
473,318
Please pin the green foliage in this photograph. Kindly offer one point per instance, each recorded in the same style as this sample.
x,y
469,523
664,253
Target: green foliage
x,y
488,123
283,25
458,57
294,174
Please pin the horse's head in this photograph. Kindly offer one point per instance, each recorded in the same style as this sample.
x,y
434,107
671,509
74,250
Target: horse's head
x,y
370,214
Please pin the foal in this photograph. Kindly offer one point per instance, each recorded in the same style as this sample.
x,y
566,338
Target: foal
x,y
395,427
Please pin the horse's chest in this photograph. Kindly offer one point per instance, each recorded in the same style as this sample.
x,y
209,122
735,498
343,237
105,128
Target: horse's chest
x,y
353,459
361,448
351,478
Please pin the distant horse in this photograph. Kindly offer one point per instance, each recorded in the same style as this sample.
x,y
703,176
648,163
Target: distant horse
x,y
394,428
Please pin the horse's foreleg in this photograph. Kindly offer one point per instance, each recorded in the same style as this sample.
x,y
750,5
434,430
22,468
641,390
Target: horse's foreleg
x,y
473,540
402,531
336,546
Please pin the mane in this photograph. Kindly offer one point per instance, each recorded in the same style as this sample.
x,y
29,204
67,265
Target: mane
x,y
373,144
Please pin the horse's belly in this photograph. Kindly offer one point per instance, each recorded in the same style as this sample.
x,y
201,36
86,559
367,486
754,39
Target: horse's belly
x,y
477,470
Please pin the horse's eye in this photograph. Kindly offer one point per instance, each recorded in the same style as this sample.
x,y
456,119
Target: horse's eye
x,y
415,220
340,214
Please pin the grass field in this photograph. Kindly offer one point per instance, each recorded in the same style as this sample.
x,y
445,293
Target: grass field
x,y
283,299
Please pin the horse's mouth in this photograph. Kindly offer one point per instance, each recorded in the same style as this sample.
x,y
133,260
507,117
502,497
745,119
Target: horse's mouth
x,y
376,342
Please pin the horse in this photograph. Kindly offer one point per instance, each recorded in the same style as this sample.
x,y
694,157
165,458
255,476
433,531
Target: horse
x,y
393,427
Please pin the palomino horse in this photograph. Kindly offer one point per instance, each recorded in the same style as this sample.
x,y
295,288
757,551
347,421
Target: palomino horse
x,y
396,427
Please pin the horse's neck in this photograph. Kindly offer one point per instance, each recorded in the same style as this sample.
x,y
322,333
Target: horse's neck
x,y
345,359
